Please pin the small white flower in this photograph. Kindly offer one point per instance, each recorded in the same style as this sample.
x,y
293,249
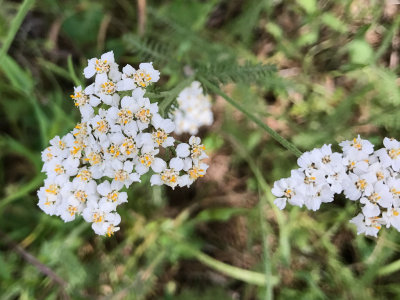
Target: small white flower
x,y
197,150
163,127
322,194
390,155
286,190
123,174
147,160
85,102
111,192
146,75
392,218
69,209
357,149
358,186
127,82
50,195
366,225
101,67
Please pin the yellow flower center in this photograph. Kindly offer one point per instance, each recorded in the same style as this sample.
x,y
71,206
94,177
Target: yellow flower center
x,y
80,98
195,173
102,66
374,198
102,126
97,218
84,175
52,189
61,145
169,176
380,176
128,146
93,158
124,116
356,144
113,196
394,153
159,136
361,184
110,230
144,115
121,175
81,195
288,193
72,210
142,78
146,159
81,129
395,192
310,179
59,169
114,150
108,88
326,159
197,150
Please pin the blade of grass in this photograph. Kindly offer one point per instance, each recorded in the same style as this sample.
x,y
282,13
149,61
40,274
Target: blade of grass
x,y
24,190
15,146
15,24
72,73
387,39
284,142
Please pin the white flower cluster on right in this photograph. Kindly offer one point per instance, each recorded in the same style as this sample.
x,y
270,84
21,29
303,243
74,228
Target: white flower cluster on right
x,y
362,174
194,110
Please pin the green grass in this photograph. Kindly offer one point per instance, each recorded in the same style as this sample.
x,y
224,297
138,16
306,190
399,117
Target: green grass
x,y
286,76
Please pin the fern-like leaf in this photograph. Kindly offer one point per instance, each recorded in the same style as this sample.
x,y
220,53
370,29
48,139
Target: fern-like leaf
x,y
231,72
147,49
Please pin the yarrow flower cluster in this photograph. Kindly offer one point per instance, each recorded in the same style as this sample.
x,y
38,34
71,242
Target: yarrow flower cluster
x,y
370,177
119,139
194,110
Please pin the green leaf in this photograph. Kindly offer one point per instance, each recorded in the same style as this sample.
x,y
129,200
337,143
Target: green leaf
x,y
333,22
310,6
218,214
19,78
360,52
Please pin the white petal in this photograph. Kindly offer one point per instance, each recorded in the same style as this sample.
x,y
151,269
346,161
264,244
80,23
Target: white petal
x,y
158,165
182,150
156,180
176,164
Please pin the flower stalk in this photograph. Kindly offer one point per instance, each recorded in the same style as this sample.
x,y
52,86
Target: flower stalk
x,y
284,142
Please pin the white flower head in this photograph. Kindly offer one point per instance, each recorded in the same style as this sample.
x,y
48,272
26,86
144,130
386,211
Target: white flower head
x,y
193,111
357,149
112,147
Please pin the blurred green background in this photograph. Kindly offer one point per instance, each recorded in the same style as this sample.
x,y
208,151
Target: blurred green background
x,y
315,71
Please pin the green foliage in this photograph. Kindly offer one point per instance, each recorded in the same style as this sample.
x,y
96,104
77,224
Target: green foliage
x,y
313,72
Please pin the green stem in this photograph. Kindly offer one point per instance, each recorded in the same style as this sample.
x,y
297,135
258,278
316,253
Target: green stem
x,y
284,142
172,95
72,73
15,24
267,257
231,271
244,275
